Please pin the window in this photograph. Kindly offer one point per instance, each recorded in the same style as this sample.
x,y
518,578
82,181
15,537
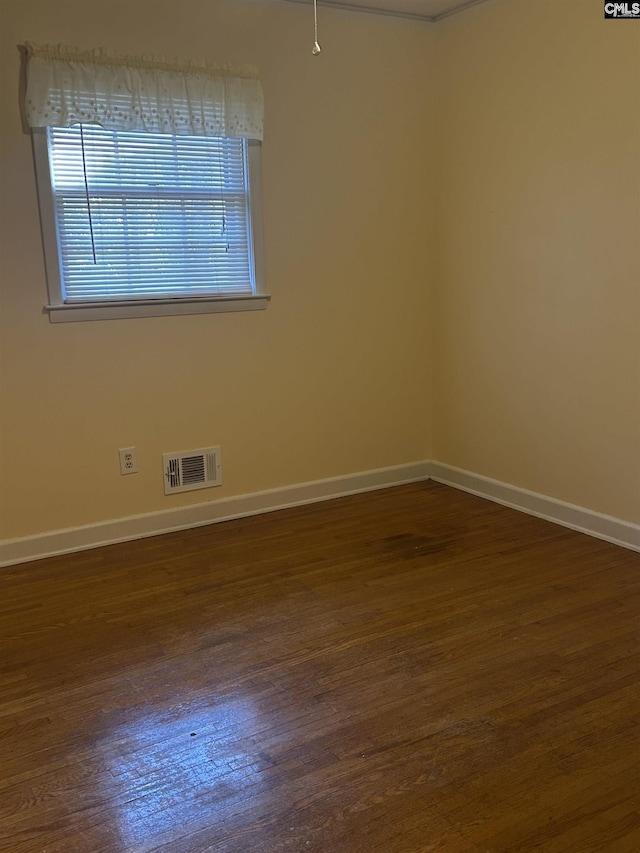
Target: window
x,y
144,220
133,217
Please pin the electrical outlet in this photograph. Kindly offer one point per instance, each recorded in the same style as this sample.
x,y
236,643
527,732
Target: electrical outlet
x,y
128,460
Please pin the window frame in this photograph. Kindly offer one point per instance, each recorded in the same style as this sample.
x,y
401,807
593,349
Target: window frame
x,y
63,312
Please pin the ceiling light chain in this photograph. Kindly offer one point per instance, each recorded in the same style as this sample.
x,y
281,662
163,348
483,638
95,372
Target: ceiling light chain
x,y
316,47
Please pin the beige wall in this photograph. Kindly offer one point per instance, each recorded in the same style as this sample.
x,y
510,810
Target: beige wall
x,y
529,281
333,378
537,301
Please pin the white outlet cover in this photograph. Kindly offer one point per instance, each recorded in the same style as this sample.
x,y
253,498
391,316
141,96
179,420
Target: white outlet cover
x,y
128,460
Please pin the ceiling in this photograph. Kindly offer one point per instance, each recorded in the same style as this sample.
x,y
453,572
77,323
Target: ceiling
x,y
422,10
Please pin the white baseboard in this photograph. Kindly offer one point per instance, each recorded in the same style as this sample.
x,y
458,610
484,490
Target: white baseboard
x,y
196,515
578,518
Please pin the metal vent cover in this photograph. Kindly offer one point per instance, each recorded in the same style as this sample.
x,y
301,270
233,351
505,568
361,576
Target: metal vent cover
x,y
192,469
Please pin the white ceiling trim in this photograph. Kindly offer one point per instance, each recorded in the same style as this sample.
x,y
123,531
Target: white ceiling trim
x,y
391,12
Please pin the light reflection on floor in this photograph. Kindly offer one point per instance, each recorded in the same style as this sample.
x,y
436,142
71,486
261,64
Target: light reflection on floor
x,y
180,770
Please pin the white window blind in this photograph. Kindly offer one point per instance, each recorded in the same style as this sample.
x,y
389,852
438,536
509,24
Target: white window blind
x,y
142,215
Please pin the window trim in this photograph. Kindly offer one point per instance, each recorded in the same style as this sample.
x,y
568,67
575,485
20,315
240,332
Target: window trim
x,y
62,312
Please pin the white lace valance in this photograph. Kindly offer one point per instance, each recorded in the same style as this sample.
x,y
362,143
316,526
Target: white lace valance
x,y
66,86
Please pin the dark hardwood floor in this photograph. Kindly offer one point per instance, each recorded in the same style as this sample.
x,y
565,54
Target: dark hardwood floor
x,y
402,671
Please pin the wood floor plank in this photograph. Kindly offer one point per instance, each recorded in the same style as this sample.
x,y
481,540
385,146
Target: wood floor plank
x,y
405,671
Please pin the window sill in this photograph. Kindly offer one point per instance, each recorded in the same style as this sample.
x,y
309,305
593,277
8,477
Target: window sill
x,y
81,311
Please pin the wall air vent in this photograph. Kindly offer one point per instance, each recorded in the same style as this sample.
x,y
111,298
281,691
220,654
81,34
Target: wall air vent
x,y
192,469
